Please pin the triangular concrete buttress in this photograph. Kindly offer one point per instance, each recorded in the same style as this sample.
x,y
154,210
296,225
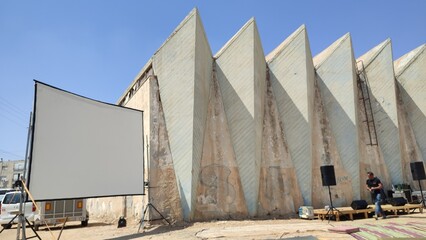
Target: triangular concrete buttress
x,y
379,72
410,71
183,65
336,80
219,192
241,73
291,73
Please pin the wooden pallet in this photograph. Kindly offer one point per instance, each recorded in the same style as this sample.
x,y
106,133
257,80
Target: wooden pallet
x,y
343,211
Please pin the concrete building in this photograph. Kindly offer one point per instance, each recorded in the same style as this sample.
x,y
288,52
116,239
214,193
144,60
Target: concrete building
x,y
238,135
10,172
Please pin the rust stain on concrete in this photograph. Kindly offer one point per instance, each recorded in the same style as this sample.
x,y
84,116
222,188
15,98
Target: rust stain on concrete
x,y
163,192
325,153
279,192
219,191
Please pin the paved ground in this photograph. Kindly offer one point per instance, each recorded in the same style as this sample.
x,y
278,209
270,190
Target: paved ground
x,y
395,226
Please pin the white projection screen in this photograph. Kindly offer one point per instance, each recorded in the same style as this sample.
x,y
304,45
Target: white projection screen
x,y
83,148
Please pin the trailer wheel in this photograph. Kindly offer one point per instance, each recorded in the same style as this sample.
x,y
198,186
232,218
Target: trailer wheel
x,y
84,223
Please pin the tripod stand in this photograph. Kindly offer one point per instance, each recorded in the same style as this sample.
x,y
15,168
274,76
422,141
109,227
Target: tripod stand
x,y
331,209
421,192
149,205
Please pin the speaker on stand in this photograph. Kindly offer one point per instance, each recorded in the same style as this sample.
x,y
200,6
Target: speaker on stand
x,y
418,172
329,179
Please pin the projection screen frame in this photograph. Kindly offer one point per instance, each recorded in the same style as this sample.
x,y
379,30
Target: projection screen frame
x,y
28,167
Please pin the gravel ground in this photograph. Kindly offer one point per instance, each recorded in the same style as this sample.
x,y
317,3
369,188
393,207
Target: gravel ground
x,y
246,229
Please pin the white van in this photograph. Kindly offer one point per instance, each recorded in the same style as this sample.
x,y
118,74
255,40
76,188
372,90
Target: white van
x,y
3,192
9,208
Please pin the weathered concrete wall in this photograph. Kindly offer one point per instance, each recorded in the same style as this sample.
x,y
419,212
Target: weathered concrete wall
x,y
183,66
241,73
379,70
141,100
336,79
163,189
292,73
279,192
325,152
373,160
219,192
236,137
410,72
371,156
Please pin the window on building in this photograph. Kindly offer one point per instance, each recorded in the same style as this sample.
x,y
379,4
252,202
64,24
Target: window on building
x,y
16,176
18,166
3,181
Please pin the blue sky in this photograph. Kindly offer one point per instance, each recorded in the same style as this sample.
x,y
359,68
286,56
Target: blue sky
x,y
96,47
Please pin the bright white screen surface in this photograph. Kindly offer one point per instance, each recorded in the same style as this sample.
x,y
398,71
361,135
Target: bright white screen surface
x,y
83,148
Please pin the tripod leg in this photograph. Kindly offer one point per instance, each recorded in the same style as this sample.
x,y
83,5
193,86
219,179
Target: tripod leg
x,y
331,204
10,222
421,193
31,226
143,217
160,214
328,215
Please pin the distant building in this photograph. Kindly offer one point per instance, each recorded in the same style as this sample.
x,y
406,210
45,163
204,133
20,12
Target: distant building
x,y
10,172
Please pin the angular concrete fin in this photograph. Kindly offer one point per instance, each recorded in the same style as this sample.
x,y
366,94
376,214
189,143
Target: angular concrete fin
x,y
188,17
202,81
274,53
369,56
241,73
337,81
321,57
164,193
291,73
410,150
325,152
379,73
219,192
183,66
370,152
279,192
405,61
236,36
411,78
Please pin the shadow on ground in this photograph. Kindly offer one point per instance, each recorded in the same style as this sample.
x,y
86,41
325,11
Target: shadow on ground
x,y
74,226
154,231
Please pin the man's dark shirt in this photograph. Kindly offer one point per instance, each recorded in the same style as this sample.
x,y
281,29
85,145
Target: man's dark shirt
x,y
374,183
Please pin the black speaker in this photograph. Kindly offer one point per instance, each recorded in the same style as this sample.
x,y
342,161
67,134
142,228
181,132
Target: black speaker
x,y
417,170
122,222
359,204
327,175
398,201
